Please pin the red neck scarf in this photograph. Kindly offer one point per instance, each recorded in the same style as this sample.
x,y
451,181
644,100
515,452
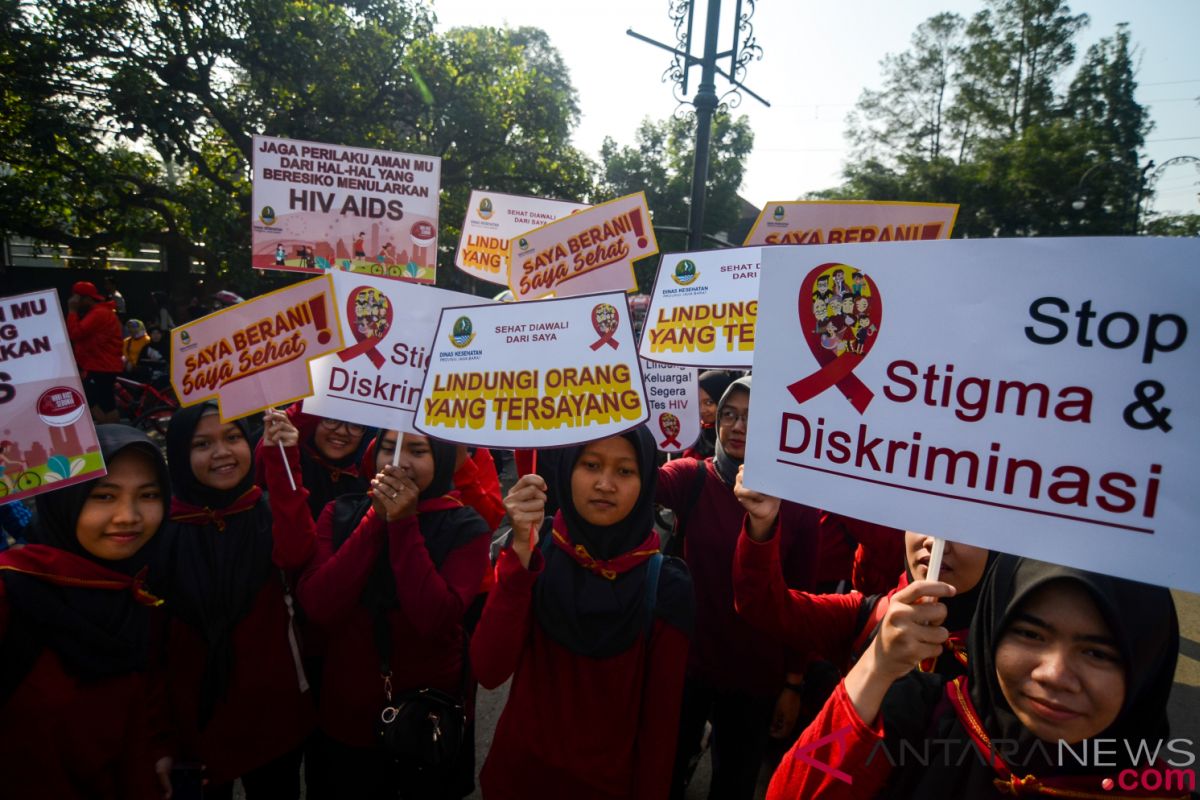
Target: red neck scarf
x,y
203,515
1077,787
612,567
443,502
67,569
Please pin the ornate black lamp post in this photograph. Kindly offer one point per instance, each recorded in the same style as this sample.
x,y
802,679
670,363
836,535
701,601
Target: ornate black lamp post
x,y
742,50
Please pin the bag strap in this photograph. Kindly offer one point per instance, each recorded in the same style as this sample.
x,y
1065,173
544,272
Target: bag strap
x,y
383,646
870,615
653,568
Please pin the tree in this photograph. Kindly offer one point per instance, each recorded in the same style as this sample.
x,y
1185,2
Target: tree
x,y
997,139
132,120
660,162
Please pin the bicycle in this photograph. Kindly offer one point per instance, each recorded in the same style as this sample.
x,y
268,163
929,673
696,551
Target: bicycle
x,y
147,405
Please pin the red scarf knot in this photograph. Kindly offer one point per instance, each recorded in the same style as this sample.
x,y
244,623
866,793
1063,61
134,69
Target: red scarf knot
x,y
1015,786
610,568
182,511
141,593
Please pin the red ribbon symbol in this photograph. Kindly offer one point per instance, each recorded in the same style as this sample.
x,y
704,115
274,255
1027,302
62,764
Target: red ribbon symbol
x,y
604,320
370,315
669,425
841,340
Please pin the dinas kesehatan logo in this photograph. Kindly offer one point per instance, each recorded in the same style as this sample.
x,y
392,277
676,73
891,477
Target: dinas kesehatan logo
x,y
463,332
778,213
485,208
685,272
267,215
840,313
522,243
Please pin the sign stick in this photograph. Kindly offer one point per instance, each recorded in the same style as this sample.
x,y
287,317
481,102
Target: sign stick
x,y
935,559
287,469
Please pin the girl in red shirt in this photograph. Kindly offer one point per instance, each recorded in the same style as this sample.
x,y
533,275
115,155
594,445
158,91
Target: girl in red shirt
x,y
593,627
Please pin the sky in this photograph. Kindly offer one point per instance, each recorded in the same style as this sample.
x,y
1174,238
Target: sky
x,y
817,58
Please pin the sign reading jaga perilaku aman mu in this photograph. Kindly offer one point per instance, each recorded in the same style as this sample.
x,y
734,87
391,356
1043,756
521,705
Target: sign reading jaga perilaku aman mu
x,y
255,355
589,251
388,327
47,440
493,220
1049,407
849,221
703,308
537,374
319,207
674,397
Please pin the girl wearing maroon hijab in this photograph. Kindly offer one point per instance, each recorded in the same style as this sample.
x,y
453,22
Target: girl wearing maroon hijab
x,y
593,625
77,700
238,691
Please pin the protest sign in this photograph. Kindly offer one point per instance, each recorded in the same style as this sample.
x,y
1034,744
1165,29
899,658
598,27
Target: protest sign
x,y
388,327
702,309
319,207
47,440
537,374
848,221
674,398
589,251
1033,396
255,355
492,220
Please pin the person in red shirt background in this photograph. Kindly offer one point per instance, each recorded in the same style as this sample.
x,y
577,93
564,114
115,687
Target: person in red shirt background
x,y
97,339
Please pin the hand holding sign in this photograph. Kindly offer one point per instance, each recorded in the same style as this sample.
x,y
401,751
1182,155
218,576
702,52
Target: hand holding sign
x,y
526,505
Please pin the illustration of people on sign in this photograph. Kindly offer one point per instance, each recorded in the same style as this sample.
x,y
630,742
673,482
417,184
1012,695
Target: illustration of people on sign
x,y
371,313
280,255
360,245
843,310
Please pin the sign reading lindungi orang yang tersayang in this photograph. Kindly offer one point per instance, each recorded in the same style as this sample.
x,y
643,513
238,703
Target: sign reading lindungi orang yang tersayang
x,y
536,374
703,309
1049,408
492,221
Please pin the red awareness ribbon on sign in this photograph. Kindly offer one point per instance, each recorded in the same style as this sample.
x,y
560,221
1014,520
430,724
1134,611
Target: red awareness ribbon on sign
x,y
379,303
670,427
604,320
837,345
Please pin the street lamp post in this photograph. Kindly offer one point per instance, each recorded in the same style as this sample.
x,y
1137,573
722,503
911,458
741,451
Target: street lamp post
x,y
706,101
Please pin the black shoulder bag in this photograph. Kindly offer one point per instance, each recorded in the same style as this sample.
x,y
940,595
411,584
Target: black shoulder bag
x,y
422,730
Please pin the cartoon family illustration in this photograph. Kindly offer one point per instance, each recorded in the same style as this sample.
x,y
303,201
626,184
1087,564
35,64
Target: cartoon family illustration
x,y
372,313
843,310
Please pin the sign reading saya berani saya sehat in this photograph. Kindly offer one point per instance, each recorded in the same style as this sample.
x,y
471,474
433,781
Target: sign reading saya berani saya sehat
x,y
589,251
388,327
493,219
255,355
319,207
542,373
47,440
849,221
1032,396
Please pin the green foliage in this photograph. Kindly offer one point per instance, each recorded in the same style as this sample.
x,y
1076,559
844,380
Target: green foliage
x,y
130,121
970,115
660,162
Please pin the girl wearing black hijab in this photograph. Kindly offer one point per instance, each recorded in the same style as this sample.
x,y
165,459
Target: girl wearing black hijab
x,y
592,623
331,457
1057,657
394,573
713,383
77,698
238,691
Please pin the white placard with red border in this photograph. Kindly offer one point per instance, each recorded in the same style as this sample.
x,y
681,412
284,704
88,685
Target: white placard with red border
x,y
492,220
703,308
542,373
1034,396
255,355
47,440
319,207
589,251
388,327
849,221
674,397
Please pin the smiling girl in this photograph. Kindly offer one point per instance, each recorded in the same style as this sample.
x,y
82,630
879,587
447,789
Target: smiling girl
x,y
76,698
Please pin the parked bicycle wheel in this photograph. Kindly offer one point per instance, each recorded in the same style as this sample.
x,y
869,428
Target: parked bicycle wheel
x,y
155,420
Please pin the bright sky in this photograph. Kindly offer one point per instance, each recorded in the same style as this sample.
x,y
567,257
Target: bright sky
x,y
817,58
